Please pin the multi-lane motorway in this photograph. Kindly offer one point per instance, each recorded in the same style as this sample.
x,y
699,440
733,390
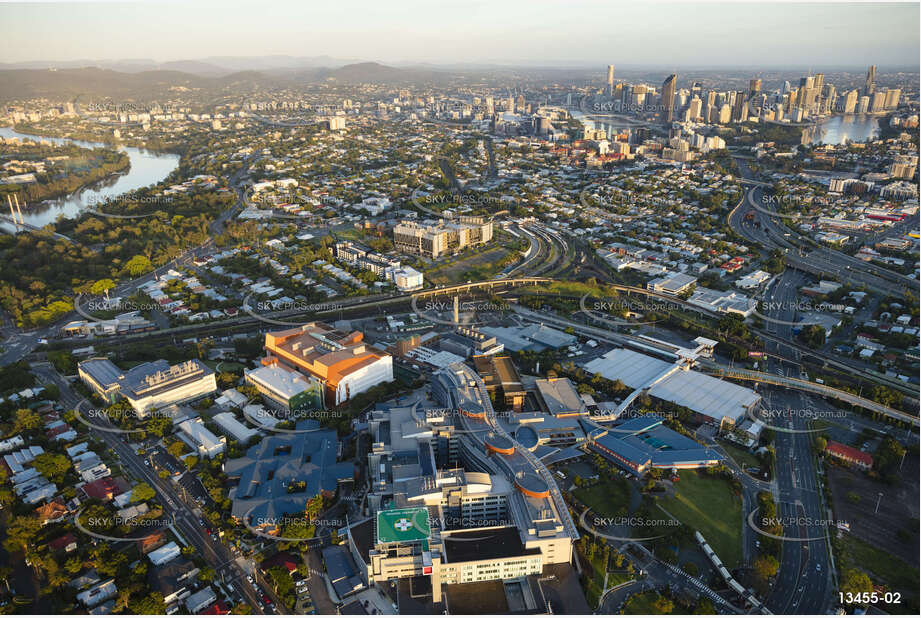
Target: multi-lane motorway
x,y
803,584
802,254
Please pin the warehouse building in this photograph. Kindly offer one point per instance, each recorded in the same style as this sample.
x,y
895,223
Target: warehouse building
x,y
713,401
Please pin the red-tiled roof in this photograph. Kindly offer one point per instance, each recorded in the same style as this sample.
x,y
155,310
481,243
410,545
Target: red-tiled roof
x,y
850,453
282,558
219,607
103,489
62,541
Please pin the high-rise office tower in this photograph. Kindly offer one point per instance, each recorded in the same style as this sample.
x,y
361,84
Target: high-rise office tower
x,y
668,97
892,98
638,96
829,95
878,101
694,108
818,81
754,87
610,80
848,103
740,107
696,89
871,79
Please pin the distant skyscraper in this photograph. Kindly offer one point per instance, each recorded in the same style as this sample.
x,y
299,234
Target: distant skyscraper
x,y
754,87
892,98
819,81
668,97
694,108
871,79
610,80
848,103
878,101
739,108
829,96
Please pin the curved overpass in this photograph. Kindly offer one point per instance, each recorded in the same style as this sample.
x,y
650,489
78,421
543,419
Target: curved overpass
x,y
811,387
802,349
741,374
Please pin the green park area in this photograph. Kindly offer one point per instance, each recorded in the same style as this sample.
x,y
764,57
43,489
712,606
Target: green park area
x,y
709,505
743,457
607,498
882,567
648,603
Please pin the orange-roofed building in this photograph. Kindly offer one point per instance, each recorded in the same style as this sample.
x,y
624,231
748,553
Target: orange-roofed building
x,y
342,361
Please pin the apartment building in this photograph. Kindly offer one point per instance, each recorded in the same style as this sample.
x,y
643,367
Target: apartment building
x,y
432,240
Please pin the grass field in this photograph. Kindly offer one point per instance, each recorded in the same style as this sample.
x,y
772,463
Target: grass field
x,y
642,604
709,506
740,455
881,566
479,265
607,499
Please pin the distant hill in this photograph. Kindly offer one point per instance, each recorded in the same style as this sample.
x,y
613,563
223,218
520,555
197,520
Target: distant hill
x,y
98,82
104,83
371,72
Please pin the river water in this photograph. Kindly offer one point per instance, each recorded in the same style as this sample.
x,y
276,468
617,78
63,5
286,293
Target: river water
x,y
839,129
147,168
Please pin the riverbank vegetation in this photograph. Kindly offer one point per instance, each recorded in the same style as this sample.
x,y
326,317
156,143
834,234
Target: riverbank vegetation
x,y
57,170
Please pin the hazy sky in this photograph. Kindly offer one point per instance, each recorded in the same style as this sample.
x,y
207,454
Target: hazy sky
x,y
572,32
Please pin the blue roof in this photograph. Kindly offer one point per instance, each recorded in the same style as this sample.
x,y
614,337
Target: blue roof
x,y
340,566
280,460
621,447
645,439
